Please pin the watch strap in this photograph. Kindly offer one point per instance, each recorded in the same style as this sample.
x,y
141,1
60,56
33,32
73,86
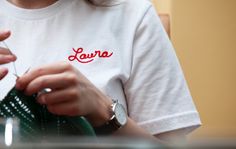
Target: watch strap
x,y
110,126
107,128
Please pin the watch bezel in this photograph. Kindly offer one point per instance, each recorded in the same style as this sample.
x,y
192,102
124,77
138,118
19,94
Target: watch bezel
x,y
117,109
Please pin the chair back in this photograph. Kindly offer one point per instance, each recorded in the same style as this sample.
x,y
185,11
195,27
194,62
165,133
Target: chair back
x,y
165,19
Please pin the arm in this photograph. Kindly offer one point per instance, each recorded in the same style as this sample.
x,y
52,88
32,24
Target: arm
x,y
65,81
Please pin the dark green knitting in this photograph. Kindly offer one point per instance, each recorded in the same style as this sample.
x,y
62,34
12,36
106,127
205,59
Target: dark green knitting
x,y
36,121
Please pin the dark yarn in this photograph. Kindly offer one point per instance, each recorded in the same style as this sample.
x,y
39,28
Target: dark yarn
x,y
36,121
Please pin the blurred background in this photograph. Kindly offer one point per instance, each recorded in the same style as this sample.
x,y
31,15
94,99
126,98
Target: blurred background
x,y
203,33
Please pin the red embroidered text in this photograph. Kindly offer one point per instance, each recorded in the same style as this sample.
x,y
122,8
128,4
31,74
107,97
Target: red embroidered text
x,y
88,57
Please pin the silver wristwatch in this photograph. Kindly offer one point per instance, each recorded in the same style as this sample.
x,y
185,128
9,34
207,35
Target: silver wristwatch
x,y
118,119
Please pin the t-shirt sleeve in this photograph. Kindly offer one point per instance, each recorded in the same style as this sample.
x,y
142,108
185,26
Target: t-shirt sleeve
x,y
158,98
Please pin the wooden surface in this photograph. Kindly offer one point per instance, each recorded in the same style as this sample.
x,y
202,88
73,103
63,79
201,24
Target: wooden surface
x,y
165,18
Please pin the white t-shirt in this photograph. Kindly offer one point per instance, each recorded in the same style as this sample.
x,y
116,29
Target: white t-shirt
x,y
123,50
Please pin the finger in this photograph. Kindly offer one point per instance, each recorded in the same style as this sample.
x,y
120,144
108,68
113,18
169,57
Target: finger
x,y
54,68
65,108
4,34
5,51
4,59
3,72
54,81
57,97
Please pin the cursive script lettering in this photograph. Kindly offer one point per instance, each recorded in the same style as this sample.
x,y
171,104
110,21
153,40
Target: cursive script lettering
x,y
82,57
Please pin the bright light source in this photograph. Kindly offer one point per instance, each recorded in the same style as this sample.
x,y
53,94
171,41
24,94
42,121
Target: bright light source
x,y
8,132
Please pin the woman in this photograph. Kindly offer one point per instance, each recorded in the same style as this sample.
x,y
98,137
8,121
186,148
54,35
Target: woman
x,y
90,52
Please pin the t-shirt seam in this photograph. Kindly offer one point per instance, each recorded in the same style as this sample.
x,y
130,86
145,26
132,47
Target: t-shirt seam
x,y
137,27
168,117
183,121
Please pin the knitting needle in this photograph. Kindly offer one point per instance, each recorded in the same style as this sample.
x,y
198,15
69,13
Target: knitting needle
x,y
14,65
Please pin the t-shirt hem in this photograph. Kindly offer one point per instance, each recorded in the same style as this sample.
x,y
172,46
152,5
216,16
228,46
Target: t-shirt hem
x,y
173,122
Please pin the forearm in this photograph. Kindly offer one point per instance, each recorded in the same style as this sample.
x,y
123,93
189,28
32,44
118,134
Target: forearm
x,y
131,129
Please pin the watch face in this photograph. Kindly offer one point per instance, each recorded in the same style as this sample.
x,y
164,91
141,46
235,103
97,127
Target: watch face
x,y
120,114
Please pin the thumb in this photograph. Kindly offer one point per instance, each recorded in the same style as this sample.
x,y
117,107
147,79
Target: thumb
x,y
4,34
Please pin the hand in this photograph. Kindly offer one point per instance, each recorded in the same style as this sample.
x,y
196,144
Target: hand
x,y
5,55
71,94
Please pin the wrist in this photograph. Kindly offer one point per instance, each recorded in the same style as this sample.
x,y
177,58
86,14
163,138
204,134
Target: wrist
x,y
102,112
117,120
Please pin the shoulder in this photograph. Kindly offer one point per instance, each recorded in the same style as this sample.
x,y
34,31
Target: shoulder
x,y
137,6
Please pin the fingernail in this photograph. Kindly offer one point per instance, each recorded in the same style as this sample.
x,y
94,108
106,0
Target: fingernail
x,y
14,56
10,57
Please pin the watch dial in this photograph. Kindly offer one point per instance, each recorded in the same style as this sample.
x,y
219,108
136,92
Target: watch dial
x,y
121,115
